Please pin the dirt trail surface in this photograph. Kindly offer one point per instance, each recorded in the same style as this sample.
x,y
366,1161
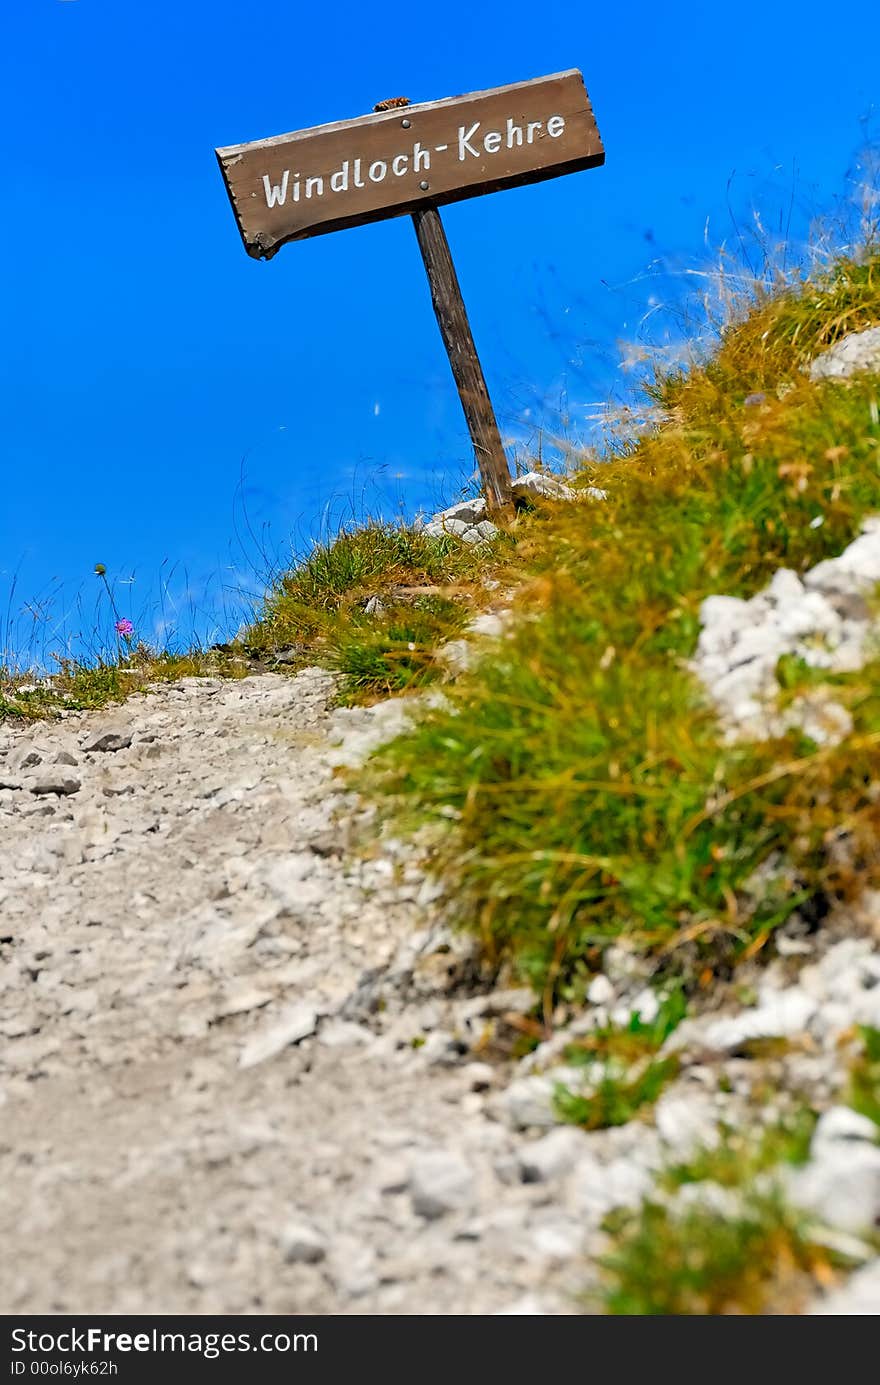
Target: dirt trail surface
x,y
210,1100
243,1064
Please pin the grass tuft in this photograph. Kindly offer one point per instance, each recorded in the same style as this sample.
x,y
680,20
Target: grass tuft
x,y
81,687
617,1095
694,1261
375,604
424,587
740,1156
864,1087
575,784
621,1074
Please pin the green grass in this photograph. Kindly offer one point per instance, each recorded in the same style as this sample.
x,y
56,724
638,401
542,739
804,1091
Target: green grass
x,y
696,1262
395,650
634,1040
740,1156
574,784
758,1255
864,1084
622,1075
87,687
617,1095
427,588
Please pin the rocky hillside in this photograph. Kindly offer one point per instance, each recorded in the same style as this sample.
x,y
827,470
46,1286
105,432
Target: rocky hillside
x,y
550,987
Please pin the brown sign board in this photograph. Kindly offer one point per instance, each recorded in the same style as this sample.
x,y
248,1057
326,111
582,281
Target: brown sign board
x,y
352,172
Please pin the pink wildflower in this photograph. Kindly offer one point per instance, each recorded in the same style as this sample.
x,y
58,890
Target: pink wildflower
x,y
124,627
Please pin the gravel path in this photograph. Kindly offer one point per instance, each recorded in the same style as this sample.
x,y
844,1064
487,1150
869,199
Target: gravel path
x,y
209,1096
243,1064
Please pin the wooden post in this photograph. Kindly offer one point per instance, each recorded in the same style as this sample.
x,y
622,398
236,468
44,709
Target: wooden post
x,y
413,159
455,329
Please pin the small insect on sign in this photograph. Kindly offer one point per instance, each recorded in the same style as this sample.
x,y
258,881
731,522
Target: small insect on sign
x,y
408,158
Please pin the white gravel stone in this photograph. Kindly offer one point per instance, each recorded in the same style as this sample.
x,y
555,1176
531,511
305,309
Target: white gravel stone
x,y
646,1005
553,1155
708,1197
528,1306
291,1028
54,782
600,991
741,643
480,1076
24,758
860,1295
109,739
556,1238
595,1188
856,571
302,1244
490,625
440,1182
780,1016
541,483
467,511
529,1101
841,1185
842,1126
858,351
343,1034
685,1122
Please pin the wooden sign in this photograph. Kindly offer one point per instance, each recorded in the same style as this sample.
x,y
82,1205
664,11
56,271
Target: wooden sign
x,y
387,164
415,158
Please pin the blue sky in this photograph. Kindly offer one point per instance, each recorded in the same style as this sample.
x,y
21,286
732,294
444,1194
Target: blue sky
x,y
148,365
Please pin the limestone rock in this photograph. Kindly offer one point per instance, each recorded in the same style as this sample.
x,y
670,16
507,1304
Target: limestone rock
x,y
110,739
529,1101
295,1025
822,619
467,520
841,1186
440,1182
686,1121
595,1189
54,782
781,1014
542,484
301,1244
858,351
860,1295
553,1155
600,991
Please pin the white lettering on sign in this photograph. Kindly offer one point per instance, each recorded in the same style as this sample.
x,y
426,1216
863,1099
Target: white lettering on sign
x,y
276,196
471,143
464,141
